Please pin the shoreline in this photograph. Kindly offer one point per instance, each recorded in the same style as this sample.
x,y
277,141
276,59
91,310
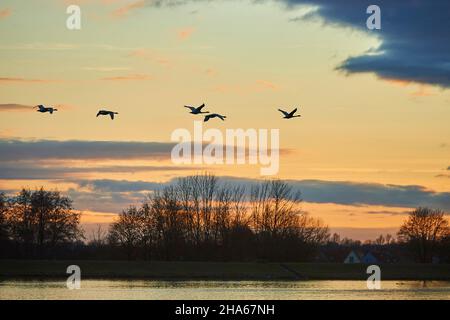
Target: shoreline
x,y
216,271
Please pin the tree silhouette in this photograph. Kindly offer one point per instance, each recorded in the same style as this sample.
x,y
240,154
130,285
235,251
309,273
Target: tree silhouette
x,y
201,218
42,219
128,230
3,217
423,230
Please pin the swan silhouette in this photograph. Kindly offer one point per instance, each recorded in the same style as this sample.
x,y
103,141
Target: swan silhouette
x,y
107,113
214,115
44,109
197,110
289,115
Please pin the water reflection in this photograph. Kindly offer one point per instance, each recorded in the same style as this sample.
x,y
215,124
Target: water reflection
x,y
222,290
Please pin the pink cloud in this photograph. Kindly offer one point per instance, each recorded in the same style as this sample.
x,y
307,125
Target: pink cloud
x,y
211,72
185,33
5,107
422,91
151,56
266,84
398,82
5,13
125,10
138,77
23,80
14,107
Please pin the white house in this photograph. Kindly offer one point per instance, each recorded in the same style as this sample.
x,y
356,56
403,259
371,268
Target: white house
x,y
359,257
353,257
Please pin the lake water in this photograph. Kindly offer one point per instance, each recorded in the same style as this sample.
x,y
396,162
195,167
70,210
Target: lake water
x,y
222,290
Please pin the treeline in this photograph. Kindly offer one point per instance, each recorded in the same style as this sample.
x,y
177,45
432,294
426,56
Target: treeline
x,y
423,237
203,218
33,223
198,218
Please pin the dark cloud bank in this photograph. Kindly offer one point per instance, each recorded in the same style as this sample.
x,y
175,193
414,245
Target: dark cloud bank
x,y
27,160
317,191
13,150
28,171
415,37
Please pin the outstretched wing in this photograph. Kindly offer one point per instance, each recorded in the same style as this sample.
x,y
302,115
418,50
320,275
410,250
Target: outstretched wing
x,y
209,116
284,112
201,107
111,114
293,112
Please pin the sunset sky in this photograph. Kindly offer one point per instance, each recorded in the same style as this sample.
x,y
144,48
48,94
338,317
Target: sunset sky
x,y
372,143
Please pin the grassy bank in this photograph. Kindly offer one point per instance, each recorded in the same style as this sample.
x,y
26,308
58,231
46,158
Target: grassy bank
x,y
218,270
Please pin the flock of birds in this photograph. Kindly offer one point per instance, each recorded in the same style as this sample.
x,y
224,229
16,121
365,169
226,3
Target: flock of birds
x,y
194,110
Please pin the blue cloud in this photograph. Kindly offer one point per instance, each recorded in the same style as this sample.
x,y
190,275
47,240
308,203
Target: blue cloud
x,y
317,191
15,150
415,37
12,170
351,193
107,185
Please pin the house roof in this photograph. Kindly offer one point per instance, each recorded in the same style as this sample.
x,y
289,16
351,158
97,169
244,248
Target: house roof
x,y
358,253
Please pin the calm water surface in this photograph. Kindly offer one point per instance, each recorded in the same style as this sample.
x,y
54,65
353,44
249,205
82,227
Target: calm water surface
x,y
222,290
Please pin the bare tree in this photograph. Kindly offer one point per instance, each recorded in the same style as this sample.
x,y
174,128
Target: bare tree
x,y
380,240
389,238
43,218
275,208
168,219
4,234
221,217
311,230
282,229
200,217
240,217
207,185
198,194
424,229
127,231
335,238
98,236
150,231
